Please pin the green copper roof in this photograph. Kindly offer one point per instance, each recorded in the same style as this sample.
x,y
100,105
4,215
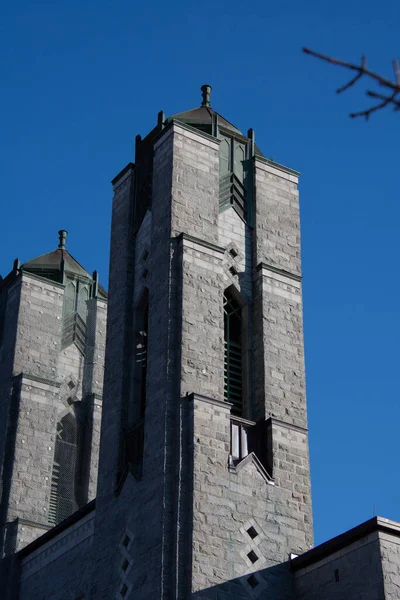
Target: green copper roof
x,y
52,261
207,119
203,115
54,264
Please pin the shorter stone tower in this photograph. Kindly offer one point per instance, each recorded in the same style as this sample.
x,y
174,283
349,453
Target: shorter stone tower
x,y
52,341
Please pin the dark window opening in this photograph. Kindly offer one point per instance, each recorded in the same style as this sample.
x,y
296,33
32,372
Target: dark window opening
x,y
252,556
253,581
125,565
133,433
252,532
233,367
239,438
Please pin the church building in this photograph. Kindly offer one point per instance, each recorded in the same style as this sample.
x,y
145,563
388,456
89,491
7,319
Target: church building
x,y
203,487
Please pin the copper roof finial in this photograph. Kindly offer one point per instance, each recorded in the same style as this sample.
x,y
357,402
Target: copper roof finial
x,y
206,93
63,239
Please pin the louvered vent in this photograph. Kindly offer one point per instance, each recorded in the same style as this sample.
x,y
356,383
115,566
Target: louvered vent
x,y
63,480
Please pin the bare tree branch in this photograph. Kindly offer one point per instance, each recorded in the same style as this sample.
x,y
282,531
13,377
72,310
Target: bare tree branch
x,y
361,71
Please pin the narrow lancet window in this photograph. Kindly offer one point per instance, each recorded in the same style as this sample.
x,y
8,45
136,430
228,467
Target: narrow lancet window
x,y
141,358
233,390
63,494
134,432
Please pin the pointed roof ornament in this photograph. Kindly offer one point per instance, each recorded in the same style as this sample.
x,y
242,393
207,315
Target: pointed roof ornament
x,y
206,93
63,239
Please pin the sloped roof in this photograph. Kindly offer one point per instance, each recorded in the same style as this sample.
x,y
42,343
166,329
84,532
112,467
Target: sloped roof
x,y
52,262
203,115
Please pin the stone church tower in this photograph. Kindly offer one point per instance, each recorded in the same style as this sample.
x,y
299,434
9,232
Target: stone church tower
x,y
204,470
52,343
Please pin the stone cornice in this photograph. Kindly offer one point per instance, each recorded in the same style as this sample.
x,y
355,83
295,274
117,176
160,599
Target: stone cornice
x,y
125,170
278,166
27,376
195,240
175,122
75,519
30,523
374,525
43,279
198,132
262,265
273,421
220,403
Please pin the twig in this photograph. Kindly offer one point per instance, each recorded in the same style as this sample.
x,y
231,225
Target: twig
x,y
362,70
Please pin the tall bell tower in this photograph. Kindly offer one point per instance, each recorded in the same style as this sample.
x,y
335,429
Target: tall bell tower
x,y
204,481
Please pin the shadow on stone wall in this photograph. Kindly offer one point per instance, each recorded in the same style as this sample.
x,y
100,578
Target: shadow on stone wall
x,y
8,532
272,583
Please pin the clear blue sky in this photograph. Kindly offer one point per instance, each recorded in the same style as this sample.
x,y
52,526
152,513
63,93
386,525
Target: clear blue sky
x,y
80,79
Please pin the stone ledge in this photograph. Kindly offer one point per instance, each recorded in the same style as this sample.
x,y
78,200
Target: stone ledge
x,y
277,169
274,421
220,403
340,542
265,266
54,542
125,170
36,524
25,377
194,240
49,282
174,125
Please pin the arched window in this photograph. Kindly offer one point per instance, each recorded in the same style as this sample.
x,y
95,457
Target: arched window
x,y
63,495
233,337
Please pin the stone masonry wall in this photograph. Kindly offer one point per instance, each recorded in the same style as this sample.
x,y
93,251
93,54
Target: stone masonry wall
x,y
390,555
7,349
39,327
352,573
278,327
195,185
33,413
281,389
277,221
202,362
148,523
60,568
93,379
33,456
116,376
226,503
